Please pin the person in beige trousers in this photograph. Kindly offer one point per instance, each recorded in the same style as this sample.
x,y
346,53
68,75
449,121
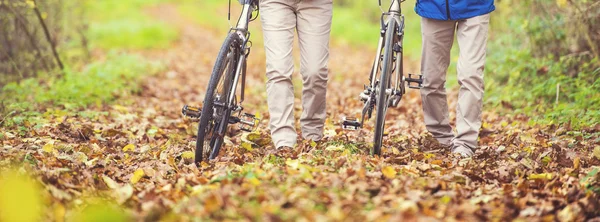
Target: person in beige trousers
x,y
311,19
441,21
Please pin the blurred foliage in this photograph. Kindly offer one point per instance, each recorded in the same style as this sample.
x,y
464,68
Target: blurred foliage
x,y
543,61
100,211
21,199
24,49
77,27
122,24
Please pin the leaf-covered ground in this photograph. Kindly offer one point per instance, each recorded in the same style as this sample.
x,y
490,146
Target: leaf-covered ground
x,y
138,154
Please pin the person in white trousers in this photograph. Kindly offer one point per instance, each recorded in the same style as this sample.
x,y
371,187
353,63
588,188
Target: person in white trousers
x,y
311,19
441,21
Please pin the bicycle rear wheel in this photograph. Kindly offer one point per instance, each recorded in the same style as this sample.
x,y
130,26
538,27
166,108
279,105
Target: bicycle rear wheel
x,y
215,111
384,83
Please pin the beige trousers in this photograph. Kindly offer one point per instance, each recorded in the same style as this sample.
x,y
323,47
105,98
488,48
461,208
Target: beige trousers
x,y
311,19
438,36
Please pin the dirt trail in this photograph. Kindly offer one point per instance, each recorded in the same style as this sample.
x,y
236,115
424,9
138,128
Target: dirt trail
x,y
191,59
520,172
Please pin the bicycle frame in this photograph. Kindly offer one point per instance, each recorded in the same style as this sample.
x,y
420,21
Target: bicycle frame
x,y
242,30
394,14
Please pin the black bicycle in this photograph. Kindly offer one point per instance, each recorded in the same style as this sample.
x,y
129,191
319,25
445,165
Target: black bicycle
x,y
382,92
222,106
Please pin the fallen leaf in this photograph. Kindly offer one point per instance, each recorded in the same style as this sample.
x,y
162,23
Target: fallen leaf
x,y
388,172
110,182
137,175
188,155
129,147
123,193
541,176
48,147
596,152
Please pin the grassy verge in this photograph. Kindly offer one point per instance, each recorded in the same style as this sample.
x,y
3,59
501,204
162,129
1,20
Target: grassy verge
x,y
98,83
549,84
123,24
114,27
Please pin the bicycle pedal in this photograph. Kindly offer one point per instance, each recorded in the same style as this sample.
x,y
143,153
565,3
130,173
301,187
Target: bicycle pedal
x,y
350,123
191,112
418,80
248,121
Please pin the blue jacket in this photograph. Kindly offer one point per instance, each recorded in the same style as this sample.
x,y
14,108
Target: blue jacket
x,y
453,9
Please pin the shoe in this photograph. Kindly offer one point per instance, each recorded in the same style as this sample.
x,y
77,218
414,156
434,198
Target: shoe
x,y
431,144
462,151
284,148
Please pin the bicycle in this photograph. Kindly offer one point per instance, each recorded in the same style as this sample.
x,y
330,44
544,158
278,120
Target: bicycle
x,y
221,101
382,93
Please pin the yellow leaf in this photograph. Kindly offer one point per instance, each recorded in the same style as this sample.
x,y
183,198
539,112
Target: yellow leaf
x,y
120,108
445,199
576,163
187,155
253,136
335,148
313,143
389,172
247,145
31,3
59,212
247,140
295,164
541,176
129,147
137,175
48,147
561,3
254,181
596,152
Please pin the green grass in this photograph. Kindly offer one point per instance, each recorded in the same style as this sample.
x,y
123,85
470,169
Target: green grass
x,y
125,25
98,82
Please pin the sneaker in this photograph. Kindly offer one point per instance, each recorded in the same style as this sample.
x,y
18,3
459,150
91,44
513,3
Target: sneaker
x,y
462,151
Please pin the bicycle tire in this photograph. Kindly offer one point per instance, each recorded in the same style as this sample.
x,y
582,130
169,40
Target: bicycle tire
x,y
382,102
227,58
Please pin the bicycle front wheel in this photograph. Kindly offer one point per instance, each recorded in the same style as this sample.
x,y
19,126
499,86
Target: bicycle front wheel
x,y
384,83
215,111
